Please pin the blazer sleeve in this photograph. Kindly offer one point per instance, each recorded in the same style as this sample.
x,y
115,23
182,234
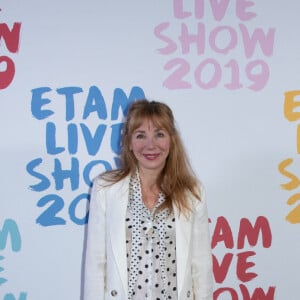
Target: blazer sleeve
x,y
95,256
202,274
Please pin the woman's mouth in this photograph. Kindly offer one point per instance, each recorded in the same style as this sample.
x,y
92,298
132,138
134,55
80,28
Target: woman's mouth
x,y
151,156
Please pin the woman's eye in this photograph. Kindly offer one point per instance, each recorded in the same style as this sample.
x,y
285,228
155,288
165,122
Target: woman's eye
x,y
160,134
140,136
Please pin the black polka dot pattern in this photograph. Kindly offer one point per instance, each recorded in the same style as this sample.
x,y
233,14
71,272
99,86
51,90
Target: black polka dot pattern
x,y
151,252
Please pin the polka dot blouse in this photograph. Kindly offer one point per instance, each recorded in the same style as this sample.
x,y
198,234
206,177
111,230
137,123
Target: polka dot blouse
x,y
151,249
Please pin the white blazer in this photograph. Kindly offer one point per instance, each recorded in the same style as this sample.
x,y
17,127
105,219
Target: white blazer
x,y
106,263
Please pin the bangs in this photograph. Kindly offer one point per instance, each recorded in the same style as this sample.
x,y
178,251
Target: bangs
x,y
159,121
157,113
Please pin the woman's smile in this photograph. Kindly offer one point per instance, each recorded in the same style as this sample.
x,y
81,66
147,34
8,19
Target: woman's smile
x,y
151,156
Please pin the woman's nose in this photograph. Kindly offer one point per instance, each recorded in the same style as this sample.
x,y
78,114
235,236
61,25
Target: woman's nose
x,y
150,142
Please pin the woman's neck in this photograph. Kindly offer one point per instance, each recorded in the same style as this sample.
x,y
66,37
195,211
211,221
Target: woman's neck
x,y
148,178
149,187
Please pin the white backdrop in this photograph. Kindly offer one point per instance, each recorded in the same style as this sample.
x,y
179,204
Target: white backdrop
x,y
230,72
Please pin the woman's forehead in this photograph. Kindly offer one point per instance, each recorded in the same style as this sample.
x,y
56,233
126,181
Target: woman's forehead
x,y
148,122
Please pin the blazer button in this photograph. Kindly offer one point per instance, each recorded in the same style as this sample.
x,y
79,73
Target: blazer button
x,y
114,293
188,294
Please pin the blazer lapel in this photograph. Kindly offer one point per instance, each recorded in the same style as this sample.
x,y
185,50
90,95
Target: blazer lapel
x,y
117,204
183,236
117,200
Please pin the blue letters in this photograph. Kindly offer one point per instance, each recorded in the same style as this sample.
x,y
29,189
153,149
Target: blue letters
x,y
90,165
44,181
60,174
51,140
10,227
95,102
121,100
37,103
23,296
69,93
49,216
115,141
64,132
93,143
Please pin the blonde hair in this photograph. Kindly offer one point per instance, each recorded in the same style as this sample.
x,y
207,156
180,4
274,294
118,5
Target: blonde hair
x,y
177,177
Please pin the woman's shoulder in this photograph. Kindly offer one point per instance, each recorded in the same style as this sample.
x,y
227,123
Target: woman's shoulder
x,y
197,191
197,198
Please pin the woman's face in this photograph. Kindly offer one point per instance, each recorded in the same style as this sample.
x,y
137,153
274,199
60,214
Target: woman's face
x,y
150,145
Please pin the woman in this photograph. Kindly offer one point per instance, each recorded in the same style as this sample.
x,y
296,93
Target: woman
x,y
148,234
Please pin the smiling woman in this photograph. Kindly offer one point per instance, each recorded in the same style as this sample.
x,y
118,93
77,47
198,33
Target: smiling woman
x,y
148,235
150,146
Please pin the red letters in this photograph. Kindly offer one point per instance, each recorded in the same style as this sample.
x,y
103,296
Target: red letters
x,y
233,294
222,233
221,270
240,264
6,76
11,39
243,265
247,230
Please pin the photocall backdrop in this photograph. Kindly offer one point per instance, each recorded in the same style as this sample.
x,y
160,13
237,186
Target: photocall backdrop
x,y
230,72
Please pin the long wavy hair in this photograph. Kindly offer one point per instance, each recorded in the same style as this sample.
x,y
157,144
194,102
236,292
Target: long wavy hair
x,y
177,177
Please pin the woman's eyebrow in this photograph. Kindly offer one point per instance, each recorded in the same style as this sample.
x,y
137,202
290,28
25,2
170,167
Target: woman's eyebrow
x,y
143,131
139,131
